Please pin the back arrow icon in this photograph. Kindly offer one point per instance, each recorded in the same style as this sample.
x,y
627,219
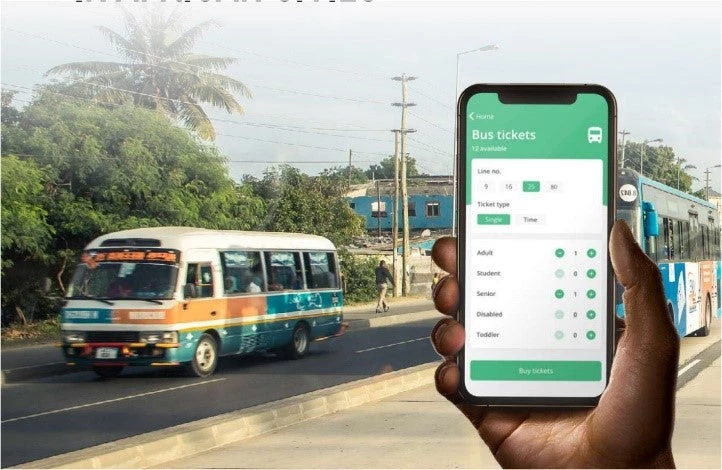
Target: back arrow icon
x,y
471,115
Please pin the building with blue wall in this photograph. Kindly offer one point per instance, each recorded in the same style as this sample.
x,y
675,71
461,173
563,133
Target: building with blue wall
x,y
430,203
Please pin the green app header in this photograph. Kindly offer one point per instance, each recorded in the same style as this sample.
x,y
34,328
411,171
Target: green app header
x,y
539,131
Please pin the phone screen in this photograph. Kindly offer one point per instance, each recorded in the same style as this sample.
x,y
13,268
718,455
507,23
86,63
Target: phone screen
x,y
537,287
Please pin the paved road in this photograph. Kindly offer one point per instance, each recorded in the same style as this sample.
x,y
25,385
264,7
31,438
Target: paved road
x,y
54,415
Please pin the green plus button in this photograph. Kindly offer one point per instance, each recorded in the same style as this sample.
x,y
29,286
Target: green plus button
x,y
591,252
591,294
578,371
591,335
531,186
493,219
591,274
591,314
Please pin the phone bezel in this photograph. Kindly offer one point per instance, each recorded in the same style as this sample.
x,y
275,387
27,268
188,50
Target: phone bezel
x,y
536,94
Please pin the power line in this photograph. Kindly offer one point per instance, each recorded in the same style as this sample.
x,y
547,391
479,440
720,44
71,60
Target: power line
x,y
429,122
439,102
198,67
221,160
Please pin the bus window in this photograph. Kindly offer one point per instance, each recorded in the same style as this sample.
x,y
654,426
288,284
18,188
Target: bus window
x,y
284,270
320,270
684,240
676,240
200,276
242,272
668,239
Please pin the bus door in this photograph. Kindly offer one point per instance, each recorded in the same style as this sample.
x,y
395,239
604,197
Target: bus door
x,y
200,303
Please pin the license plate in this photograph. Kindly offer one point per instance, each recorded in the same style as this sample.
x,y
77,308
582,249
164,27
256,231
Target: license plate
x,y
106,353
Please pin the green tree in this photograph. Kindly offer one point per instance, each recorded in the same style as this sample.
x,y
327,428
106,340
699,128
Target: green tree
x,y
385,169
340,174
85,170
26,234
160,72
660,164
300,203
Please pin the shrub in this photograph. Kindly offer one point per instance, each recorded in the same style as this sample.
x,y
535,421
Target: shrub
x,y
360,280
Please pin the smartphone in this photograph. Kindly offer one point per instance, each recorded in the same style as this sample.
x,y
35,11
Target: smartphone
x,y
536,166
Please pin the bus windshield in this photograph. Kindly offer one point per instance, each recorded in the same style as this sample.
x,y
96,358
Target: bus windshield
x,y
126,280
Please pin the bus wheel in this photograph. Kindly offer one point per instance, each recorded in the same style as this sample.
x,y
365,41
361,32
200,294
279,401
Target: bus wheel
x,y
704,331
300,338
205,357
108,372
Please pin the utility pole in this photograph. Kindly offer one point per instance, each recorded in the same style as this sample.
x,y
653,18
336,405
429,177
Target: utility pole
x,y
349,168
706,183
378,208
406,285
395,221
624,133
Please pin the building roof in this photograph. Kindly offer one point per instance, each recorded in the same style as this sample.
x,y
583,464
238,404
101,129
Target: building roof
x,y
418,185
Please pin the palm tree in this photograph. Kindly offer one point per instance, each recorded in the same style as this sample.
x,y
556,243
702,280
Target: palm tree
x,y
160,72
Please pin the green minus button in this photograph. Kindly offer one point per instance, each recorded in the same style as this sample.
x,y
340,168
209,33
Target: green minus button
x,y
531,186
577,371
494,219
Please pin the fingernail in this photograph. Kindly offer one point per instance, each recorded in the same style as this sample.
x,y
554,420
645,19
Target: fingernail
x,y
438,331
442,371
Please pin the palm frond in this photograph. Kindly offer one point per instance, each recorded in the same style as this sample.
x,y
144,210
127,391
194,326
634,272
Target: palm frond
x,y
228,83
218,97
193,117
187,40
85,69
207,62
132,50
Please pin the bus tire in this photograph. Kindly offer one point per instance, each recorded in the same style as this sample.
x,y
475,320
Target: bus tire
x,y
300,338
704,331
108,372
205,357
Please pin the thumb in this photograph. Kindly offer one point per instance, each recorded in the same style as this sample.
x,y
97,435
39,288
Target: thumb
x,y
638,405
647,318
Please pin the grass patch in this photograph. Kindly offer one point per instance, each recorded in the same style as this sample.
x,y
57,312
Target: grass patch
x,y
44,331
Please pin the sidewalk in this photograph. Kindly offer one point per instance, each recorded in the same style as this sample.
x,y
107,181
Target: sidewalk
x,y
415,429
408,429
420,429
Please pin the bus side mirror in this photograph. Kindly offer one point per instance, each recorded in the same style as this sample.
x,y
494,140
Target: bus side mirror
x,y
189,291
651,224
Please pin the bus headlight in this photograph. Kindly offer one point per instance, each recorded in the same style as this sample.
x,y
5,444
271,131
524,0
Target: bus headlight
x,y
158,337
73,336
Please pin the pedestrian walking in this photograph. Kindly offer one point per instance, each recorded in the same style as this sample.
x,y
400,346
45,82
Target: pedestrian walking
x,y
382,275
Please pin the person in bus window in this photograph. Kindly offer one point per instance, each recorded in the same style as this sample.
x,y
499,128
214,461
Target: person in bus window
x,y
120,288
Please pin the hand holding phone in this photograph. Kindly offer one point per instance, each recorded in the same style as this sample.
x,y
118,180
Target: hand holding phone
x,y
535,167
632,425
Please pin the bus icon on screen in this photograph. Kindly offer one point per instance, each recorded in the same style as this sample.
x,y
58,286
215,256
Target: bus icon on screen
x,y
594,134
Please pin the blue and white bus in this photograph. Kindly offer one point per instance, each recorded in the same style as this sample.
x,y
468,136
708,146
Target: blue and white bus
x,y
170,296
682,234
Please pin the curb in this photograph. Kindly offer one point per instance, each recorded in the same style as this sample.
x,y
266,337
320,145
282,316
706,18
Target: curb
x,y
394,319
158,447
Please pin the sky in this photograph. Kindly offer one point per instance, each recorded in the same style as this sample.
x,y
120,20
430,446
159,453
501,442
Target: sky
x,y
321,72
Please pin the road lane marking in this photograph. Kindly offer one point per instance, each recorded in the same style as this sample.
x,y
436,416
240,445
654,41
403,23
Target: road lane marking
x,y
109,401
393,344
688,367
